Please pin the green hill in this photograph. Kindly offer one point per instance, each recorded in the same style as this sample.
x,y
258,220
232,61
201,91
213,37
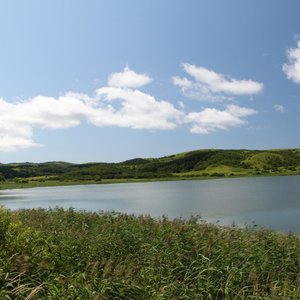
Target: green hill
x,y
193,164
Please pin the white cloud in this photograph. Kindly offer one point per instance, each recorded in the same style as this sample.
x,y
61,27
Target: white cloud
x,y
212,86
181,104
184,83
112,106
211,119
120,106
292,70
279,108
137,110
17,120
11,143
128,79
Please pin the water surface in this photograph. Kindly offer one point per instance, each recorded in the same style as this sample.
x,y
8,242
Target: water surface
x,y
272,202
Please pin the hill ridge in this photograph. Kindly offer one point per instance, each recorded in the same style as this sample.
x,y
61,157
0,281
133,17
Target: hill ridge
x,y
200,163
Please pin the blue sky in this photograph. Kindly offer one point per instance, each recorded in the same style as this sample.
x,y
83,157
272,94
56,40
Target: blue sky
x,y
112,80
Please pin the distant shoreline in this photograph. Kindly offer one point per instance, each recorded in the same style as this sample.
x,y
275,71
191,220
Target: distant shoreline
x,y
34,184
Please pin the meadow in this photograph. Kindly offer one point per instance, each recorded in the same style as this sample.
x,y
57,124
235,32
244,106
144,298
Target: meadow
x,y
67,254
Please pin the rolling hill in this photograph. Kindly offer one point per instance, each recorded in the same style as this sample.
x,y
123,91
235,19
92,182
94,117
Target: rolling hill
x,y
194,164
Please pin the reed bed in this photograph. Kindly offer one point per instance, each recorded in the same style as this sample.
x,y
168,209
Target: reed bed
x,y
64,254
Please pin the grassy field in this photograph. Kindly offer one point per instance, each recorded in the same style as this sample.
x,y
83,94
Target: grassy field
x,y
59,254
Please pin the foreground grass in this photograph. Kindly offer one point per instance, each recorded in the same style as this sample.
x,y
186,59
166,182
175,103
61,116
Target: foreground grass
x,y
59,254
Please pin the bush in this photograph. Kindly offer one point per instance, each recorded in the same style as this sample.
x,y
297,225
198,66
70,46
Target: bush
x,y
217,174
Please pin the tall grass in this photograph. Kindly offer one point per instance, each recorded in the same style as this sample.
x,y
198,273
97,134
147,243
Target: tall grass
x,y
63,254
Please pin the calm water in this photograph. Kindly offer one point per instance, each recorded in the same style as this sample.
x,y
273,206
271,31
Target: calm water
x,y
266,201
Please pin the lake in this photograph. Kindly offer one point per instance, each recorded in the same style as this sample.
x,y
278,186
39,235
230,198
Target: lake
x,y
272,202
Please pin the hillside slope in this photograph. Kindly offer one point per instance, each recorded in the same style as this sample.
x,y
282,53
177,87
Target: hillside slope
x,y
199,163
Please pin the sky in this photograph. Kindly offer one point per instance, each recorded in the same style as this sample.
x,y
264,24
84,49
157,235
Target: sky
x,y
93,80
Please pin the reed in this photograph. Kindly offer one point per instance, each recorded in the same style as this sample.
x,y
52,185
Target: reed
x,y
64,254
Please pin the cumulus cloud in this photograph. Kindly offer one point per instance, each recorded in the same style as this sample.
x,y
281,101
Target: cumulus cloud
x,y
119,104
17,120
292,69
278,108
138,110
212,86
128,79
111,106
211,119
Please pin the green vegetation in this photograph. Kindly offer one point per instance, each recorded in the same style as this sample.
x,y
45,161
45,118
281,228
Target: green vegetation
x,y
195,164
59,254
